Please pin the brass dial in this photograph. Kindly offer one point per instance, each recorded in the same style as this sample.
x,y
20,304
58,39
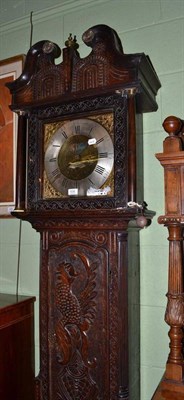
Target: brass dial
x,y
79,158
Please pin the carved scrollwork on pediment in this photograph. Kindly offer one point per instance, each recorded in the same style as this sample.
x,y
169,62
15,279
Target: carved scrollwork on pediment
x,y
107,67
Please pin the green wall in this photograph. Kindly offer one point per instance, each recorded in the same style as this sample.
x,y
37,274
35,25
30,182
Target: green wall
x,y
155,27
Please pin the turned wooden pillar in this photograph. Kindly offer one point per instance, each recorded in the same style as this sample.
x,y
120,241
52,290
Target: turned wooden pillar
x,y
21,163
172,160
174,315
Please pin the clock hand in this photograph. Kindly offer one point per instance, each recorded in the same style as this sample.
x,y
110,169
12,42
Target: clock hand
x,y
74,164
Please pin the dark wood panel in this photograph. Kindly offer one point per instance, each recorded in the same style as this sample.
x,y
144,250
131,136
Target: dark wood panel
x,y
16,347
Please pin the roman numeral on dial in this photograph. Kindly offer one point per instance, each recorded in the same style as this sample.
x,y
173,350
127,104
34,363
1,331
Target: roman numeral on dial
x,y
64,134
100,170
103,155
100,140
55,174
77,129
64,182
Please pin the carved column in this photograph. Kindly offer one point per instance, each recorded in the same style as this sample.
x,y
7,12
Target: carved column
x,y
174,315
172,159
21,162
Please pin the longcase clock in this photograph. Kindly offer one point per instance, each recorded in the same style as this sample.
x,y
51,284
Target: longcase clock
x,y
80,184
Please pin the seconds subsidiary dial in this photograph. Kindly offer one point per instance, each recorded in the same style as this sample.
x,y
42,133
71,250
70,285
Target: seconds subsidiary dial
x,y
79,159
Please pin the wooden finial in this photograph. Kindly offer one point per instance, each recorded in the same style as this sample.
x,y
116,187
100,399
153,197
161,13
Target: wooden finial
x,y
172,125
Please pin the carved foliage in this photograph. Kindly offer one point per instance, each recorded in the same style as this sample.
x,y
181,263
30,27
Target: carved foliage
x,y
80,316
97,237
74,279
175,310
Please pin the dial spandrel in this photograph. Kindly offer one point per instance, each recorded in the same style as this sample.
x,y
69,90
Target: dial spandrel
x,y
79,159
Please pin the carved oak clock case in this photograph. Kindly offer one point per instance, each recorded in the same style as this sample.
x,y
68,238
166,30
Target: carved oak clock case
x,y
80,184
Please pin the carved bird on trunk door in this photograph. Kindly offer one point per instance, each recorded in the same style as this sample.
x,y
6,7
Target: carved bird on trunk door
x,y
75,311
